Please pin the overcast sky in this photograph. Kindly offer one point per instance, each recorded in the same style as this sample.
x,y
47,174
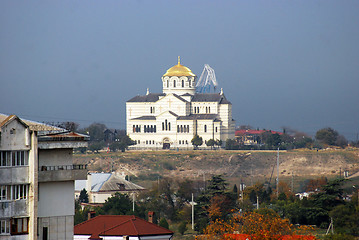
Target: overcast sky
x,y
280,63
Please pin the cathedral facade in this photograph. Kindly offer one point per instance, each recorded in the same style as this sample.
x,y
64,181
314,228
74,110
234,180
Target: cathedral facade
x,y
170,120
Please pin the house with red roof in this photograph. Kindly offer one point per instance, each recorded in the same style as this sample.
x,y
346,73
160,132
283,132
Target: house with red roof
x,y
120,227
250,136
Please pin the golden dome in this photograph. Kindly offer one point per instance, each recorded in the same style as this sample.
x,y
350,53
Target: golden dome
x,y
179,70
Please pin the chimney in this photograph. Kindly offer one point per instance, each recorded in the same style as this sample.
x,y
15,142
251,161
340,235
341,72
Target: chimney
x,y
151,216
89,186
91,214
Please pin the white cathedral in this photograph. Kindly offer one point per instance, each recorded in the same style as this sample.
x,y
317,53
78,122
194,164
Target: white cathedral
x,y
171,119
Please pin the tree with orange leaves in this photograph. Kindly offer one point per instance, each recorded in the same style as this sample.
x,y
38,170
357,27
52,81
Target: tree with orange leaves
x,y
253,226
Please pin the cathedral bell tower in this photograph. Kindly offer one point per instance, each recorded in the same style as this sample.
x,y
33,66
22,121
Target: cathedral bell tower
x,y
179,80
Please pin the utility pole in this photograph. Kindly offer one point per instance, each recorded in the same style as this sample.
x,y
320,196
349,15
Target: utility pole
x,y
278,173
193,203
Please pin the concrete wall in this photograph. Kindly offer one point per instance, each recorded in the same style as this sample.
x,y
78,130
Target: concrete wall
x,y
14,237
19,140
14,175
55,157
59,228
56,199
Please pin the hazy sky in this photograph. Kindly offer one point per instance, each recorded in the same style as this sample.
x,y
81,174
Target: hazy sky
x,y
280,63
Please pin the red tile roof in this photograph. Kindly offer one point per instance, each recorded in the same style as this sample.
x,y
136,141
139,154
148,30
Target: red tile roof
x,y
119,225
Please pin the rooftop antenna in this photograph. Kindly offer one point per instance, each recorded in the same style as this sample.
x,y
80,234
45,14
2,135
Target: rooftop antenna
x,y
207,80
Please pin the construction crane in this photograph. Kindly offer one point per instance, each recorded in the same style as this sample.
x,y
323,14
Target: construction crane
x,y
207,80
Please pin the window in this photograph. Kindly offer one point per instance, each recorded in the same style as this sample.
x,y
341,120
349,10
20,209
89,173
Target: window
x,y
174,83
216,129
205,128
167,83
13,192
12,131
13,158
5,227
169,126
19,225
182,83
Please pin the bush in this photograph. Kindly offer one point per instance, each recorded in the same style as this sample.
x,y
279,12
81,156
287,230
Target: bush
x,y
338,237
182,228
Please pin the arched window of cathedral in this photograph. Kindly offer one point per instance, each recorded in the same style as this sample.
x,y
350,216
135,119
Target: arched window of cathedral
x,y
151,128
139,141
154,128
169,126
209,109
206,109
146,142
186,142
178,128
205,128
144,128
174,83
168,83
134,128
197,109
153,109
163,126
150,109
216,129
181,129
166,125
182,83
187,128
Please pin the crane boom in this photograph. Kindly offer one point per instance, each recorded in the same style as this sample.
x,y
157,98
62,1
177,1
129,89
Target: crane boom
x,y
206,80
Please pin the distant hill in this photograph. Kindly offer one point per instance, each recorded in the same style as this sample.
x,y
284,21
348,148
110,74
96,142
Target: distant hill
x,y
248,167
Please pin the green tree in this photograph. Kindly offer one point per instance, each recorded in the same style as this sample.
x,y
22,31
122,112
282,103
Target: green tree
x,y
231,144
211,143
215,201
196,141
163,223
96,146
84,197
118,204
219,143
345,219
96,131
327,136
80,214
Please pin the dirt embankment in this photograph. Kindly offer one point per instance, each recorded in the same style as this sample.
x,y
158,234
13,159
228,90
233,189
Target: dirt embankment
x,y
234,165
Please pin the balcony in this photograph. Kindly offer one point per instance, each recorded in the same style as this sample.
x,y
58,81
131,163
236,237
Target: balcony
x,y
14,208
62,173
